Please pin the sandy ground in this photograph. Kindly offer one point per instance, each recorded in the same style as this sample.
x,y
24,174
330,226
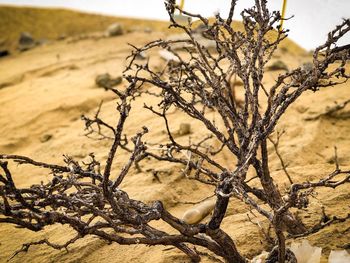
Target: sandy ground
x,y
43,94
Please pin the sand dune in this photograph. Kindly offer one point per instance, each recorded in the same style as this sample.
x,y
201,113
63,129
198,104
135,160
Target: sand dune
x,y
49,87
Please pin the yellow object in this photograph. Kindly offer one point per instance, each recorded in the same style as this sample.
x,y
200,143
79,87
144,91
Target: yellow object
x,y
182,3
180,18
283,13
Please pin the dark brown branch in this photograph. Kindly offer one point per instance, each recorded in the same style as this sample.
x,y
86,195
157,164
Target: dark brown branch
x,y
199,84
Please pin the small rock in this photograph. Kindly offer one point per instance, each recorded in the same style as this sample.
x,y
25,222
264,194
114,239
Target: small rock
x,y
203,41
168,56
182,19
339,256
3,48
26,42
4,53
278,65
199,211
106,81
185,128
305,252
46,138
113,30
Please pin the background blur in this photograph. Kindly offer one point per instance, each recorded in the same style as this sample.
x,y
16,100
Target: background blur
x,y
312,19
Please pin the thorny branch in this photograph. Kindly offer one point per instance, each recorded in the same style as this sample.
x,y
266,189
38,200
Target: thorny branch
x,y
275,144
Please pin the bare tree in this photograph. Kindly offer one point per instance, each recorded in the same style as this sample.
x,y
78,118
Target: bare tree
x,y
197,82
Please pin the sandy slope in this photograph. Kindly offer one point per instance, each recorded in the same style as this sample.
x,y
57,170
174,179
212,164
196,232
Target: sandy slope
x,y
46,24
47,89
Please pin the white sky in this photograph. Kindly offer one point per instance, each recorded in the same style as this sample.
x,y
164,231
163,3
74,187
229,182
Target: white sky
x,y
309,27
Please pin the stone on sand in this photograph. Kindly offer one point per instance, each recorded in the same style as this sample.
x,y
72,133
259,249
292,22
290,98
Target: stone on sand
x,y
115,29
26,41
107,81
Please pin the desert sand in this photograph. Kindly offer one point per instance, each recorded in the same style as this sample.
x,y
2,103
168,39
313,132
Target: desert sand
x,y
44,92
